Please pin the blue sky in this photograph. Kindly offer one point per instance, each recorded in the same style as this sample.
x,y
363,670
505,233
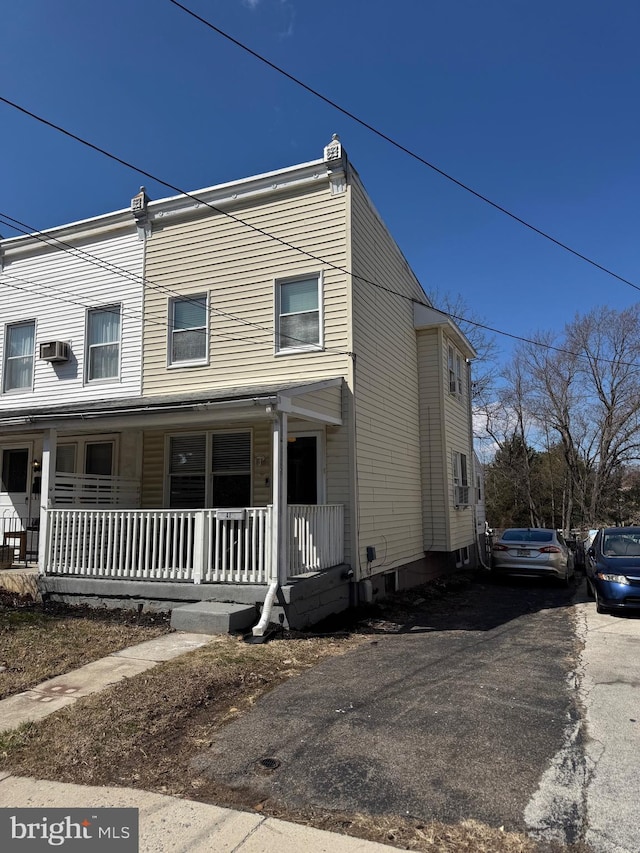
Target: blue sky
x,y
532,104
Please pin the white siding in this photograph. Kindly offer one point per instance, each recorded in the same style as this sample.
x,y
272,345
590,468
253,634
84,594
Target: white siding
x,y
55,288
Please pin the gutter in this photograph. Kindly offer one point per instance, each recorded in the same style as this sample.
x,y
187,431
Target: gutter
x,y
212,405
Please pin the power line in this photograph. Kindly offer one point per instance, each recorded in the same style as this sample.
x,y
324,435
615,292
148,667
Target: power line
x,y
109,266
144,281
402,147
274,237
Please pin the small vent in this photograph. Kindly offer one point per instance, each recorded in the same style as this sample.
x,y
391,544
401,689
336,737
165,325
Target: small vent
x,y
54,351
461,496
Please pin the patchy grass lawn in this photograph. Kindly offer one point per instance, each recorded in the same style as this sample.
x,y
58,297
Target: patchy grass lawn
x,y
144,732
38,643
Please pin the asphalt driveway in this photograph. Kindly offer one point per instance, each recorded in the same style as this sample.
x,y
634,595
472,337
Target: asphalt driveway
x,y
453,711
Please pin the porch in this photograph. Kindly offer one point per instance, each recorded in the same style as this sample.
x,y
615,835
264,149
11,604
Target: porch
x,y
202,546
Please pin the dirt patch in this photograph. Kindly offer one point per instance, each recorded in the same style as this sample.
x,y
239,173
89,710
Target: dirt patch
x,y
38,642
144,732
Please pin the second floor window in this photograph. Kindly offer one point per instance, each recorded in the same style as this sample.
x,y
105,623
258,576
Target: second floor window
x,y
188,330
460,479
18,370
299,321
455,372
103,343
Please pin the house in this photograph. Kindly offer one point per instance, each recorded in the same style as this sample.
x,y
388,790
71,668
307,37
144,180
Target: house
x,y
299,439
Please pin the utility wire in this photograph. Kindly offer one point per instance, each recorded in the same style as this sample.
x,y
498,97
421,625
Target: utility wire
x,y
114,268
109,266
402,147
298,249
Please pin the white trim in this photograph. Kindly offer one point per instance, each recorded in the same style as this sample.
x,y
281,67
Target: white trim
x,y
208,472
425,317
235,193
81,442
7,326
321,457
291,279
87,346
199,362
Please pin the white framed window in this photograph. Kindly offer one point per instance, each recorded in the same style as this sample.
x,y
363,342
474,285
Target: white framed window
x,y
210,469
454,363
66,455
98,458
187,471
91,454
460,479
188,330
231,469
103,343
299,319
19,353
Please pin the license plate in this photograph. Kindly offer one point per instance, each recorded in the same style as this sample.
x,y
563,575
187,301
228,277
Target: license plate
x,y
522,553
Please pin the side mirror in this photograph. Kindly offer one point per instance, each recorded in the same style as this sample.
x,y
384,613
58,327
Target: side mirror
x,y
591,552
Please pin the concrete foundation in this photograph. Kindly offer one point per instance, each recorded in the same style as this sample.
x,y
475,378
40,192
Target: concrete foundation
x,y
303,601
21,581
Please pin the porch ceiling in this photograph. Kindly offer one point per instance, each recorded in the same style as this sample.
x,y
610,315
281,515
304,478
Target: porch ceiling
x,y
318,401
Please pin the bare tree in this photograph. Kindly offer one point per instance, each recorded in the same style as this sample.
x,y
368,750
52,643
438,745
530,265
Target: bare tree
x,y
485,370
587,391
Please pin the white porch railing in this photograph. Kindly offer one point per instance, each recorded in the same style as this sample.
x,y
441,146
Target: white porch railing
x,y
84,490
316,537
209,546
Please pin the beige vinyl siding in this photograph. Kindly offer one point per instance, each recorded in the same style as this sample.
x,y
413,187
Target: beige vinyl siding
x,y
337,468
386,393
153,470
435,475
237,268
457,438
153,466
327,402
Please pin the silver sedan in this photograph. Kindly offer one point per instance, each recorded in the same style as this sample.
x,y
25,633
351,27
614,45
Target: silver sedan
x,y
533,552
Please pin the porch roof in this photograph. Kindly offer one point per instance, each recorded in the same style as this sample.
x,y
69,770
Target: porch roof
x,y
319,401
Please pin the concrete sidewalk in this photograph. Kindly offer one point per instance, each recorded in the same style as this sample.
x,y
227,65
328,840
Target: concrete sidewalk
x,y
171,825
45,698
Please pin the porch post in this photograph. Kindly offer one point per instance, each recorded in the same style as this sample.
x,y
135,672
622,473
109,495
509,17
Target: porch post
x,y
279,531
47,488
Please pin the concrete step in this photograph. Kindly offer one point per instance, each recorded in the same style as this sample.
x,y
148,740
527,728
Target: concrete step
x,y
213,617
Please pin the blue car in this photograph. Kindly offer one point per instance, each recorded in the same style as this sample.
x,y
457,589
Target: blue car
x,y
613,569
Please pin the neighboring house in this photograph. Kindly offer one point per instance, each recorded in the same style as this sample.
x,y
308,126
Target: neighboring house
x,y
70,335
303,431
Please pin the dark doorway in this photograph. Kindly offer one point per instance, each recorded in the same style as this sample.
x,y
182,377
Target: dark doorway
x,y
15,465
302,469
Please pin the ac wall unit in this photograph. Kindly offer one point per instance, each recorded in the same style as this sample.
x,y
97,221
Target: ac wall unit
x,y
461,496
54,351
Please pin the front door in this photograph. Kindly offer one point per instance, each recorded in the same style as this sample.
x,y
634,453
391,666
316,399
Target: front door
x,y
15,495
302,469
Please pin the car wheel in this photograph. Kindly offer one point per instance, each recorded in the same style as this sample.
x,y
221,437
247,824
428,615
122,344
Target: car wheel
x,y
599,607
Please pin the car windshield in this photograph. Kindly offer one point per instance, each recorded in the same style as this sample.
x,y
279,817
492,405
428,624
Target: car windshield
x,y
527,535
621,544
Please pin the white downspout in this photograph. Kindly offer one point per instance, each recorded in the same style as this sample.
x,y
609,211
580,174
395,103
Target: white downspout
x,y
278,521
